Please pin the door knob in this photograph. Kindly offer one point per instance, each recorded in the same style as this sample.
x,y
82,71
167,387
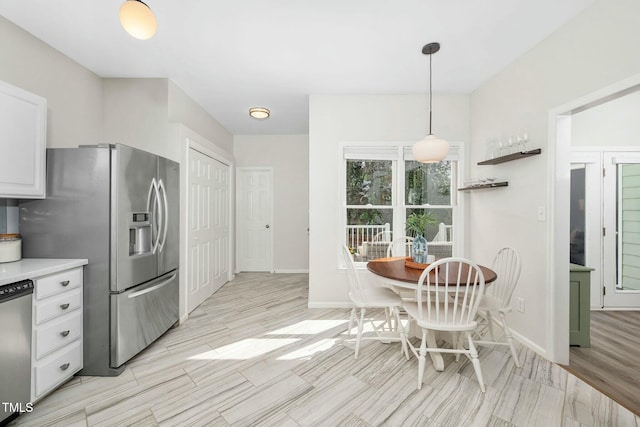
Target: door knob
x,y
266,226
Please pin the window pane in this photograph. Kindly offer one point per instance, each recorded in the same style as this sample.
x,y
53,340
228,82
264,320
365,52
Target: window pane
x,y
369,232
577,214
428,183
369,182
439,230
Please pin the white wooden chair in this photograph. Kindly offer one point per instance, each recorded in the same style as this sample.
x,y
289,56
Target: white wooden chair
x,y
496,301
447,299
401,246
365,297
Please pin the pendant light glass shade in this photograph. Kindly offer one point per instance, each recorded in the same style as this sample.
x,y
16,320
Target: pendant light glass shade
x,y
138,19
430,149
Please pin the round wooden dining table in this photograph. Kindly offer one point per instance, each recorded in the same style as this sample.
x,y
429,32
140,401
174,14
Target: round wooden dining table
x,y
394,268
398,276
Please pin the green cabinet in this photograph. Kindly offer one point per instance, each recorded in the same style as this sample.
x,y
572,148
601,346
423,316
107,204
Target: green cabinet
x,y
579,305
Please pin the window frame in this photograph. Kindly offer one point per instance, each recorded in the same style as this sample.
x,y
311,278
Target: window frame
x,y
398,153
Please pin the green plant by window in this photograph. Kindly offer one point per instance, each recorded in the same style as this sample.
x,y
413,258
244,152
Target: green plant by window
x,y
417,223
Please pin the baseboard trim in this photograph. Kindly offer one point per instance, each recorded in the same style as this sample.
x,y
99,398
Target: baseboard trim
x,y
528,343
293,271
334,304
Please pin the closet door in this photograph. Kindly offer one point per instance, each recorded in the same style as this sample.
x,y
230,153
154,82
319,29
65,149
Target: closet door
x,y
221,198
208,227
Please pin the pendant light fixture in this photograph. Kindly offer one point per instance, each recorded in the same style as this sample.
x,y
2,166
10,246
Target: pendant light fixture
x,y
138,19
431,149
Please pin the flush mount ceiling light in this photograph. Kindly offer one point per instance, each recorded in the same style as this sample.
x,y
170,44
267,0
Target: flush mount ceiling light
x,y
259,113
431,149
138,19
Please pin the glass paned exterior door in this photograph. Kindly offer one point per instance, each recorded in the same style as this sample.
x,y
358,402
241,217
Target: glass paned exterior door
x,y
622,230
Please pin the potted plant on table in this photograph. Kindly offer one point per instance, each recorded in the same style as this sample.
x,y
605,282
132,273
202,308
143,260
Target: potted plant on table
x,y
417,224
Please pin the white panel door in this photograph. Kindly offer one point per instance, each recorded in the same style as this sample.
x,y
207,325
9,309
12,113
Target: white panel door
x,y
221,192
200,277
254,219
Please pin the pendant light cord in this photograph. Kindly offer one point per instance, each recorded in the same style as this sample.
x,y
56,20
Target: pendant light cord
x,y
430,94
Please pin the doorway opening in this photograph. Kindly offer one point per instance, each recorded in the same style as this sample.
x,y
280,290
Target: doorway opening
x,y
560,143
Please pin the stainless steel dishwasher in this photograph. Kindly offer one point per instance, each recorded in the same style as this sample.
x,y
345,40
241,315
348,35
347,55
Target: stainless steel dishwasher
x,y
15,349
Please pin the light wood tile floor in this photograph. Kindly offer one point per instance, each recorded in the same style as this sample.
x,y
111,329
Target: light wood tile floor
x,y
253,354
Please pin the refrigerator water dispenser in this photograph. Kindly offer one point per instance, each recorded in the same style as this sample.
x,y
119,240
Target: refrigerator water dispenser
x,y
139,234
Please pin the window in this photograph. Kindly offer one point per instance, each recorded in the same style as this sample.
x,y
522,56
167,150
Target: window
x,y
383,186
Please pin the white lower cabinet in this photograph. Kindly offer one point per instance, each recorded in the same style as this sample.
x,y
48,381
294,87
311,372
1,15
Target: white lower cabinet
x,y
56,352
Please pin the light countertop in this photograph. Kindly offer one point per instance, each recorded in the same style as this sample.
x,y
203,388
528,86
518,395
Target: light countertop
x,y
31,268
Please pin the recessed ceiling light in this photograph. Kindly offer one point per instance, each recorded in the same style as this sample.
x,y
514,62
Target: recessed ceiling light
x,y
259,113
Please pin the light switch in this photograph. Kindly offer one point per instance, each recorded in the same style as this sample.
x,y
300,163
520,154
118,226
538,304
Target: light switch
x,y
542,214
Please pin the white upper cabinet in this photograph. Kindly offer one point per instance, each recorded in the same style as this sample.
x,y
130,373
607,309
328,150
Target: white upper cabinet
x,y
23,131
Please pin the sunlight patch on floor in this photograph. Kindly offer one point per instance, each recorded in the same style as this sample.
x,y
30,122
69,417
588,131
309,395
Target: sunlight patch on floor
x,y
308,327
245,349
307,352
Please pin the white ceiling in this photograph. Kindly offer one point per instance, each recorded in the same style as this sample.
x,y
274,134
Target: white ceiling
x,y
231,55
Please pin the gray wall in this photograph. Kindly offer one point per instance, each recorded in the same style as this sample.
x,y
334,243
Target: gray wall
x,y
288,155
559,70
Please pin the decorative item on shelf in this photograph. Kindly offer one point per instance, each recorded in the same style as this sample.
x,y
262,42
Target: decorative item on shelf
x,y
492,148
431,149
512,144
138,19
475,184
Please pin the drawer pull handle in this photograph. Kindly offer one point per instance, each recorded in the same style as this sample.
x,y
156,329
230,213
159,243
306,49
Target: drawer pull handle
x,y
64,306
65,283
64,333
64,367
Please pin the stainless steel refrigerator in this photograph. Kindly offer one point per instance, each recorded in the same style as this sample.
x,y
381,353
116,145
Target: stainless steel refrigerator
x,y
119,208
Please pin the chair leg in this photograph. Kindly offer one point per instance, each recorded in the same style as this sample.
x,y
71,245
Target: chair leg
x,y
422,358
473,353
352,317
458,343
387,315
359,336
509,338
403,333
490,326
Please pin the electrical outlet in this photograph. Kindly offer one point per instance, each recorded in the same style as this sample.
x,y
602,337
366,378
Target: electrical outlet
x,y
520,304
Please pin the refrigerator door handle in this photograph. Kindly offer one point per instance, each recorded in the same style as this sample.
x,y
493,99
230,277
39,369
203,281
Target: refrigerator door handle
x,y
152,288
165,219
151,207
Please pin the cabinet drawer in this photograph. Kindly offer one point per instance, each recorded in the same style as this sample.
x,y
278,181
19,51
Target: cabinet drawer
x,y
57,368
58,282
57,333
57,305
